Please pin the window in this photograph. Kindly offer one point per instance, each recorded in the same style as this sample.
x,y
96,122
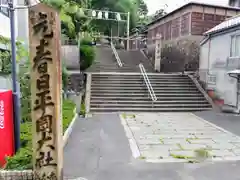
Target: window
x,y
235,46
212,79
4,10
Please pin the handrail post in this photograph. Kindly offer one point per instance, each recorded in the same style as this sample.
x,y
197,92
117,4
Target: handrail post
x,y
147,83
116,55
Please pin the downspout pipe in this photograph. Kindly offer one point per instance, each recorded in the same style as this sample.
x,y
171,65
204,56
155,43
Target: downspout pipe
x,y
209,47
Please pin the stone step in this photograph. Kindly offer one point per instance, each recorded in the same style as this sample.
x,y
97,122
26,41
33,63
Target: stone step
x,y
140,84
126,82
137,109
118,70
115,67
144,94
145,97
176,75
109,88
144,91
156,105
146,102
137,76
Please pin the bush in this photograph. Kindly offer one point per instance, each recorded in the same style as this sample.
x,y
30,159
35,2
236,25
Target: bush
x,y
172,59
86,41
183,56
23,159
87,56
83,110
24,80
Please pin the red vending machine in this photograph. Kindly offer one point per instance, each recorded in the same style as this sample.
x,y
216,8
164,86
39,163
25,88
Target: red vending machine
x,y
6,126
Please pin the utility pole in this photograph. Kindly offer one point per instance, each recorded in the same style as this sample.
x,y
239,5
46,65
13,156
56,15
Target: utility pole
x,y
128,29
16,91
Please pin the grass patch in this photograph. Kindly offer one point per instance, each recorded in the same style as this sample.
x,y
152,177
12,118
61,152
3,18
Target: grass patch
x,y
180,146
202,153
131,116
67,113
83,110
23,159
161,140
142,157
124,115
178,156
189,139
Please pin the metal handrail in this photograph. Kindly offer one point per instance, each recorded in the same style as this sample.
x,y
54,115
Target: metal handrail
x,y
116,55
147,82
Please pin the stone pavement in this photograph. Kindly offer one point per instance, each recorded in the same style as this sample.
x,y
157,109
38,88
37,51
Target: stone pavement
x,y
174,137
98,149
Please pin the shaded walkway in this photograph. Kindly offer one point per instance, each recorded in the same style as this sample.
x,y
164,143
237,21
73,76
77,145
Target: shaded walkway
x,y
230,122
98,150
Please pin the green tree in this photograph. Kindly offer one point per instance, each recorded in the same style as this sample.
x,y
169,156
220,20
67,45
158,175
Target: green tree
x,y
159,13
75,20
71,15
135,7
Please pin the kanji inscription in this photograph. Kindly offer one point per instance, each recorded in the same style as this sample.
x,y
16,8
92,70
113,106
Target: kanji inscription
x,y
45,88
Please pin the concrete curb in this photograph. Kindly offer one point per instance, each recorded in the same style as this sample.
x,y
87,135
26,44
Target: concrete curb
x,y
132,142
68,132
16,175
204,93
88,93
28,174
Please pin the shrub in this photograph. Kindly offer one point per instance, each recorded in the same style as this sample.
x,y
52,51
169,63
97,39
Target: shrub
x,y
83,110
24,80
23,158
87,56
182,56
86,41
172,59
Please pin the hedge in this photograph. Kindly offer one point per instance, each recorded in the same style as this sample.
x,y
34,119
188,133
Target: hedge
x,y
23,159
87,53
87,56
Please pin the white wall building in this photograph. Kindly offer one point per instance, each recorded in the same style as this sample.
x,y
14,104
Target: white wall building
x,y
21,22
220,54
21,32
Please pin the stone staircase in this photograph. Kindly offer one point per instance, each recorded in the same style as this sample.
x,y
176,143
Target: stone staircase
x,y
133,58
105,61
121,92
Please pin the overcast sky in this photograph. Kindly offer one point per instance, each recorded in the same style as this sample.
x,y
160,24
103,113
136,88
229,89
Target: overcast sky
x,y
154,5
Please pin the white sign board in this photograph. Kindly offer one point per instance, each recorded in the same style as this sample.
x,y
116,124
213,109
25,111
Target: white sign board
x,y
157,63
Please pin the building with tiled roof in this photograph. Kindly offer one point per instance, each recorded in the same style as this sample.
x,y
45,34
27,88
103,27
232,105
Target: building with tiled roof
x,y
189,21
220,62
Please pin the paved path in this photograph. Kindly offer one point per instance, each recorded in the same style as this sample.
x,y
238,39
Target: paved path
x,y
230,122
179,137
98,149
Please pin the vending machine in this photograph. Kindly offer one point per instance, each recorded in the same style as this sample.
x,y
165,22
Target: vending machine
x,y
6,126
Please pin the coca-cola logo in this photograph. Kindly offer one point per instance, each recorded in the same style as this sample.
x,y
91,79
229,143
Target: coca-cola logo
x,y
2,123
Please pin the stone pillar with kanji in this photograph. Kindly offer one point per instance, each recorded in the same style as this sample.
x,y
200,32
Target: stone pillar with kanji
x,y
46,85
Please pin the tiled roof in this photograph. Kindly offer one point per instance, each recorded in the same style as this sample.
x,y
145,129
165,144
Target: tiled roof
x,y
229,23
